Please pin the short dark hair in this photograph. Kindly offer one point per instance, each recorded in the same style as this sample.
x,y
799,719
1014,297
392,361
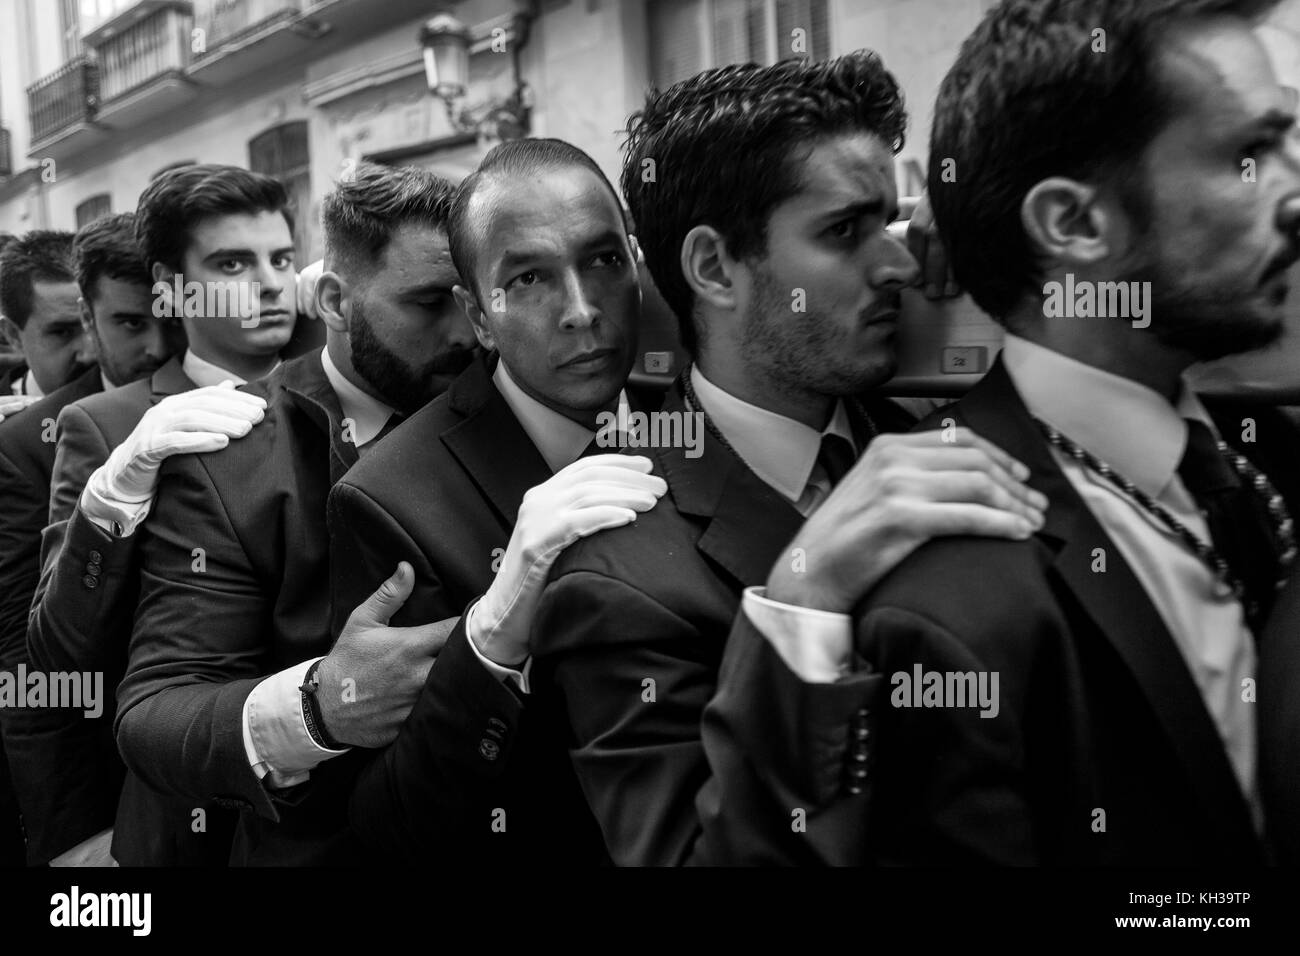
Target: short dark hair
x,y
517,157
725,148
366,208
172,204
1028,99
107,248
42,255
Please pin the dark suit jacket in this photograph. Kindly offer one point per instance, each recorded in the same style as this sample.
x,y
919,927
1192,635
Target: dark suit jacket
x,y
630,635
1098,713
81,621
1279,724
26,460
254,600
443,493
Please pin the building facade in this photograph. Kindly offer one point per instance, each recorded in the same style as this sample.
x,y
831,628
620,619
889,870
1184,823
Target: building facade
x,y
99,96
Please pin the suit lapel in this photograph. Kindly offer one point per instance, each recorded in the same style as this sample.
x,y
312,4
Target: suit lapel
x,y
489,442
304,380
1116,602
747,523
169,380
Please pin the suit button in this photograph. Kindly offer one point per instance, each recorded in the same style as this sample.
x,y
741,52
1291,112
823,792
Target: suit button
x,y
93,568
95,557
862,733
864,713
488,749
90,581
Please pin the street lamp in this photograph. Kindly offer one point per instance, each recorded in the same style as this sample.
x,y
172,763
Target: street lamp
x,y
446,43
446,56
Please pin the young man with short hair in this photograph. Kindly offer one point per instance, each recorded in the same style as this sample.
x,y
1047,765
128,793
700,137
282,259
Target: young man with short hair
x,y
221,697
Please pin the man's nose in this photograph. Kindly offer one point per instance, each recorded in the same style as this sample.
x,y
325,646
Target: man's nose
x,y
893,267
579,311
273,281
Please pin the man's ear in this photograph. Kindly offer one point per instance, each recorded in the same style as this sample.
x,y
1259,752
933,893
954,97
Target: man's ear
x,y
638,257
708,268
87,316
165,303
1067,223
333,301
469,304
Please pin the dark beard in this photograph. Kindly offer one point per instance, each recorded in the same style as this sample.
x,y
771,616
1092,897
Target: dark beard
x,y
405,388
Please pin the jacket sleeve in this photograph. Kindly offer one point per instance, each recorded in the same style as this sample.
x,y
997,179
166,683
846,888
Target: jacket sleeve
x,y
84,603
949,781
81,449
426,792
782,753
198,648
634,680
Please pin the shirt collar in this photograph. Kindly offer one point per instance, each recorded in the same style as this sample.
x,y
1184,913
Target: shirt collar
x,y
103,381
1129,426
561,440
203,373
780,450
369,415
29,386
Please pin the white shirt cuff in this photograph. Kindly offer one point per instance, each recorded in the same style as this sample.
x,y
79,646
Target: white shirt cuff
x,y
816,645
276,742
502,673
118,518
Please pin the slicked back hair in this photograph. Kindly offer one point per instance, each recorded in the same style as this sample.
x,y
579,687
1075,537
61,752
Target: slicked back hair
x,y
513,158
726,147
366,208
42,255
107,248
179,199
1030,98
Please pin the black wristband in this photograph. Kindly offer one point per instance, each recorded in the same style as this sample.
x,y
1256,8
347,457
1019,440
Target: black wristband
x,y
311,715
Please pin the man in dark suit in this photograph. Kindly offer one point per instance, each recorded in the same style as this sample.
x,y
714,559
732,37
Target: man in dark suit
x,y
38,314
1086,696
481,490
632,625
40,267
109,449
221,700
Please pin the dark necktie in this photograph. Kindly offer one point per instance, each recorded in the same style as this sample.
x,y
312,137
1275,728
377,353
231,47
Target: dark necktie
x,y
836,457
1237,518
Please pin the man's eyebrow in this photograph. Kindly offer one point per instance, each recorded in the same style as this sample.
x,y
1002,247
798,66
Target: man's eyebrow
x,y
245,253
514,257
860,207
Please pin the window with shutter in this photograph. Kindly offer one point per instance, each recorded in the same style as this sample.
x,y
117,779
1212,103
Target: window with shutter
x,y
93,208
687,36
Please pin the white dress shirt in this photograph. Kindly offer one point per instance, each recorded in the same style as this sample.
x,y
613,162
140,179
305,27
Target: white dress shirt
x,y
27,386
1142,436
368,414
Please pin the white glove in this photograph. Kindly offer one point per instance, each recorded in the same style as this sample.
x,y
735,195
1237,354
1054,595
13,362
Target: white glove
x,y
602,491
193,422
307,280
9,404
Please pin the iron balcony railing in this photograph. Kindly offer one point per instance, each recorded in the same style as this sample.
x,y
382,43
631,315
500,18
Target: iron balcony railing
x,y
153,46
68,96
